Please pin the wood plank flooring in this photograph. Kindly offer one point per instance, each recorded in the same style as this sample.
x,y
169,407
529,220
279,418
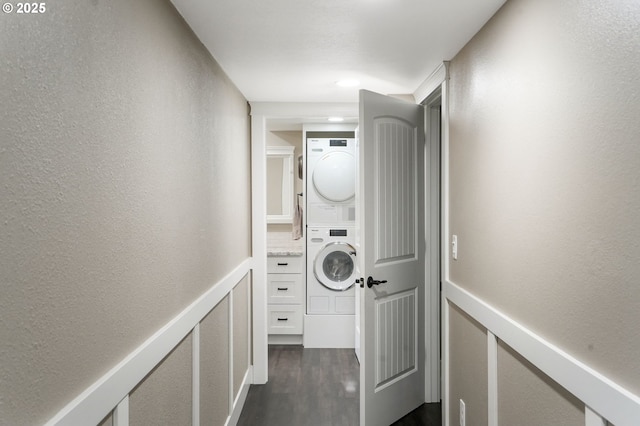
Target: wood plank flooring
x,y
315,387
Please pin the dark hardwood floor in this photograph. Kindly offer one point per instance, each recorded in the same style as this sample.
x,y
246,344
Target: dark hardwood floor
x,y
315,387
424,415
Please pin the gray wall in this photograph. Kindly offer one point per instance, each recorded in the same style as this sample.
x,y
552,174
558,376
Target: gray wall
x,y
468,368
125,188
545,194
528,397
164,396
214,352
241,332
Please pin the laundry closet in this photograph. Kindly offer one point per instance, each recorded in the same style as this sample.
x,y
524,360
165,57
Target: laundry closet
x,y
311,212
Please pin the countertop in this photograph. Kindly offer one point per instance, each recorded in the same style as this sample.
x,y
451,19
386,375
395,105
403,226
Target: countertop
x,y
282,244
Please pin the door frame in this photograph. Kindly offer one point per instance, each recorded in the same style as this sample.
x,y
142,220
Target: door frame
x,y
432,113
263,113
434,91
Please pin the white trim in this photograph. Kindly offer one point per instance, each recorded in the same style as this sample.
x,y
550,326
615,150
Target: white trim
x,y
305,110
238,404
431,83
285,339
445,361
603,395
249,332
432,240
591,418
231,350
195,374
281,151
326,127
120,415
446,231
492,379
259,244
95,402
444,245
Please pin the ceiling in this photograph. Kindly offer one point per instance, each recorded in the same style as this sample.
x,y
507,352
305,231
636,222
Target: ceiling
x,y
296,50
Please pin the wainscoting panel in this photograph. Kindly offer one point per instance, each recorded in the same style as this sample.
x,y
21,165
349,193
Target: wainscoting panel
x,y
603,398
110,393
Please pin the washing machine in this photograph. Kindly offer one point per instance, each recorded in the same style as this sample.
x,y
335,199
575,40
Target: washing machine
x,y
331,270
331,181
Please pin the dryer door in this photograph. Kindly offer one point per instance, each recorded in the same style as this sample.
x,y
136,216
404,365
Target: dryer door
x,y
334,176
334,266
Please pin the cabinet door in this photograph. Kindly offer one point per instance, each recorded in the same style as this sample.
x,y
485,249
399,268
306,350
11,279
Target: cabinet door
x,y
284,265
285,319
284,288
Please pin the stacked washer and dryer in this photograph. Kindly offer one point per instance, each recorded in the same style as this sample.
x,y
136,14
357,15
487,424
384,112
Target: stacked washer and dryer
x,y
331,262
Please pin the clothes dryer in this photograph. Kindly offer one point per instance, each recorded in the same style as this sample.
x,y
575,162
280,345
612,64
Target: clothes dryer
x,y
331,270
331,181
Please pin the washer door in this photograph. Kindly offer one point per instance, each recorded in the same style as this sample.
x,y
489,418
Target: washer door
x,y
334,266
334,176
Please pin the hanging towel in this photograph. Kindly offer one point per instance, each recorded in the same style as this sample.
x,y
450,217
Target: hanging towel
x,y
297,220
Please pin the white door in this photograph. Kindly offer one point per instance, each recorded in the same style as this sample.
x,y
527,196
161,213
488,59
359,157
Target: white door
x,y
391,250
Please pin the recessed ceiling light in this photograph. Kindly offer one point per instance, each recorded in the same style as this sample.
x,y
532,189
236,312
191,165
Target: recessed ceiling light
x,y
335,119
349,82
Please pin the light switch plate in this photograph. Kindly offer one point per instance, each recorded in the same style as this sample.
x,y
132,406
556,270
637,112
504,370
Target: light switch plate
x,y
454,247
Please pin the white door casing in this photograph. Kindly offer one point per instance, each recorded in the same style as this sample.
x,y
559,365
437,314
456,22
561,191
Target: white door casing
x,y
391,248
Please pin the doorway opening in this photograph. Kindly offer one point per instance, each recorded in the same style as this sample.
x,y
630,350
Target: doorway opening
x,y
432,110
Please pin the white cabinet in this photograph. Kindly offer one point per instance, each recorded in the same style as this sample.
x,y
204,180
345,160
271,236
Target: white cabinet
x,y
284,289
285,319
285,292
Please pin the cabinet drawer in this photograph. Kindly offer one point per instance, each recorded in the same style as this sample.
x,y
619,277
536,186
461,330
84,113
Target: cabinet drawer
x,y
284,265
285,319
284,288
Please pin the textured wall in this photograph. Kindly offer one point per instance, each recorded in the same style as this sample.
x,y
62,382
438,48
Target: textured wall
x,y
467,368
274,186
214,357
164,397
545,190
527,397
125,176
241,333
107,421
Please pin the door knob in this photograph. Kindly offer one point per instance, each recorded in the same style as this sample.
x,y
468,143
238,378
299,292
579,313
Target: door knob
x,y
371,282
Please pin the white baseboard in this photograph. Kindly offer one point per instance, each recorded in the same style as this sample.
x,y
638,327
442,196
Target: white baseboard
x,y
329,331
285,339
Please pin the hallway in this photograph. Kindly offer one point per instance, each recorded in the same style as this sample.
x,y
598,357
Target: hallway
x,y
315,387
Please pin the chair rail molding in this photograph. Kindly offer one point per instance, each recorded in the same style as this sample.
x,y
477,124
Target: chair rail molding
x,y
603,398
110,393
